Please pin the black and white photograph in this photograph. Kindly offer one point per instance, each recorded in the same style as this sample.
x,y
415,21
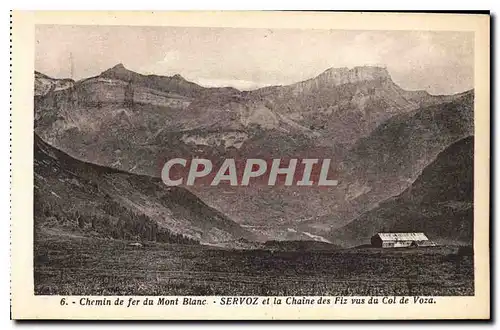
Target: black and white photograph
x,y
392,111
289,164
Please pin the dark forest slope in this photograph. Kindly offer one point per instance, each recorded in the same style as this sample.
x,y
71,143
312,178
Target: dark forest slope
x,y
439,203
74,195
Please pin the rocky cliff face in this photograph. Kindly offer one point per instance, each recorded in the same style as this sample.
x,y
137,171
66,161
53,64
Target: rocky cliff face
x,y
340,76
342,105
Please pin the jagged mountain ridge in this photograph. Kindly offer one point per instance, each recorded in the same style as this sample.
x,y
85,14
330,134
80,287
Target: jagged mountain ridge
x,y
176,84
342,104
75,195
348,112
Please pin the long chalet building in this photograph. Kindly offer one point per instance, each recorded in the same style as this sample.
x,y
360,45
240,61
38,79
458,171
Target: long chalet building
x,y
396,240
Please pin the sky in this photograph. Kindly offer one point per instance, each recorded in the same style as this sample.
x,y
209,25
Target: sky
x,y
438,62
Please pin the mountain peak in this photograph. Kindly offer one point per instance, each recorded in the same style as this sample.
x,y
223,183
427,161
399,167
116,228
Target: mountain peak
x,y
171,84
359,73
119,66
119,71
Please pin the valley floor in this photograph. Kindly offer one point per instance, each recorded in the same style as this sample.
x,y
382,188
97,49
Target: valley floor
x,y
76,265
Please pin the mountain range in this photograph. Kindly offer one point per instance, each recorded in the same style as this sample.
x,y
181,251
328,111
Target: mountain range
x,y
382,140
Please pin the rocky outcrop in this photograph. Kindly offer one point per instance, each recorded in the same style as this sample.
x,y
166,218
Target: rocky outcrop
x,y
45,84
340,76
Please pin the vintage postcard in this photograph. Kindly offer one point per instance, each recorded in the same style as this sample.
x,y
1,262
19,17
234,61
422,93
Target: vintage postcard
x,y
250,165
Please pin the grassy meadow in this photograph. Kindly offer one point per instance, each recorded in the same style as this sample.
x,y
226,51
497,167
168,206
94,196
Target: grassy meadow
x,y
77,265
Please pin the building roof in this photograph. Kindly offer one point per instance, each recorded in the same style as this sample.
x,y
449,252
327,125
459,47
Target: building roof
x,y
402,236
